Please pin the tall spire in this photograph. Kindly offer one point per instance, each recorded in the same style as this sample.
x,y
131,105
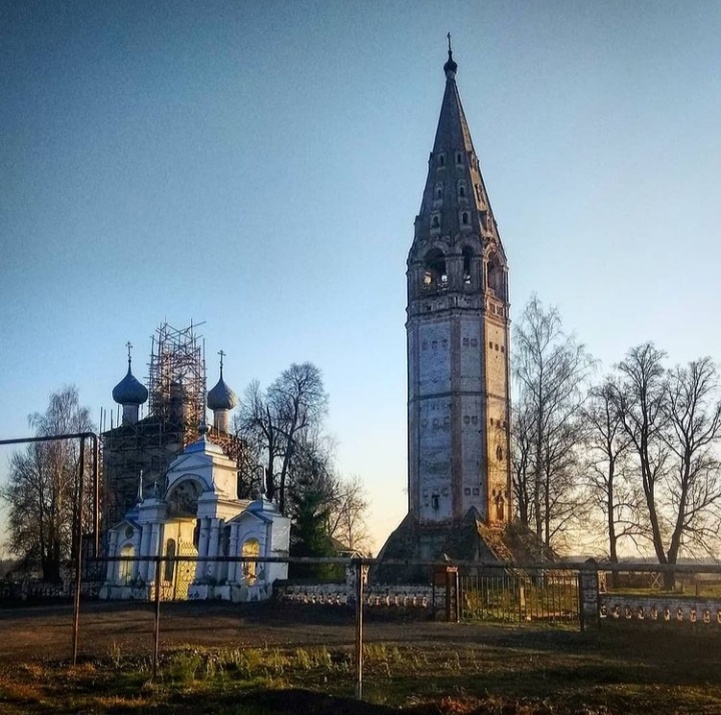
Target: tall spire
x,y
455,201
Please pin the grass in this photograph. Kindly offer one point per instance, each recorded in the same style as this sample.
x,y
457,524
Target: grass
x,y
624,668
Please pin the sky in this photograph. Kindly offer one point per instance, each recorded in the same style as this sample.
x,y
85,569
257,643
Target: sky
x,y
257,166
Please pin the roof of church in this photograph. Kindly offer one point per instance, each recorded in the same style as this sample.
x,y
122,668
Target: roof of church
x,y
129,391
455,200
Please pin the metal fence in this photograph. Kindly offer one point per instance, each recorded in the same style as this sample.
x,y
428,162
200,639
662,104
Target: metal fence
x,y
519,596
579,595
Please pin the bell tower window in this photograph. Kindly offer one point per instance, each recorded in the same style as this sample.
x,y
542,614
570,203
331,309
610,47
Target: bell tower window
x,y
495,278
467,256
435,274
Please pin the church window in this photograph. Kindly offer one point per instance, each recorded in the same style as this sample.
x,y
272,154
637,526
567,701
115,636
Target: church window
x,y
439,191
499,508
503,348
459,157
251,548
491,421
441,160
126,567
464,218
435,502
467,491
169,564
462,191
499,453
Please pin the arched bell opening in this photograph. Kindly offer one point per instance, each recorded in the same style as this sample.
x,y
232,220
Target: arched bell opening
x,y
435,272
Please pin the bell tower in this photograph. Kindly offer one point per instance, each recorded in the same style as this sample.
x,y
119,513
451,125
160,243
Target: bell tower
x,y
458,337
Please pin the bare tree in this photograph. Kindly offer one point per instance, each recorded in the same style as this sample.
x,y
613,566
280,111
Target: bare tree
x,y
640,399
673,421
550,368
42,490
693,411
347,515
611,491
277,420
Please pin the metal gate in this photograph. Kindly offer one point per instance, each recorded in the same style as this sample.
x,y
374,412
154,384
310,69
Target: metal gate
x,y
520,596
178,577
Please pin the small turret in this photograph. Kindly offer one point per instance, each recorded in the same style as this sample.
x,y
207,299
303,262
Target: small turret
x,y
130,394
221,399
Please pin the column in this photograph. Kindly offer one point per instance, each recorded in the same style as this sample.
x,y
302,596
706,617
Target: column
x,y
212,568
233,551
153,549
135,565
113,569
144,550
202,548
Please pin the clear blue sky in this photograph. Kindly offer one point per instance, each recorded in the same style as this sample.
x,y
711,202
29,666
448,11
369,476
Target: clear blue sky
x,y
258,166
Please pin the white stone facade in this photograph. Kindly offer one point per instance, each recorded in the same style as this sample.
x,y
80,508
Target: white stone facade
x,y
199,517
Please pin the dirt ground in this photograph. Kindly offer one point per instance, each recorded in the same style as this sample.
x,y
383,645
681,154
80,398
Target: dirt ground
x,y
45,632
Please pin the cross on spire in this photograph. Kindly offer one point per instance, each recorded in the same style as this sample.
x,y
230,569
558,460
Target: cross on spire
x,y
129,346
222,355
450,49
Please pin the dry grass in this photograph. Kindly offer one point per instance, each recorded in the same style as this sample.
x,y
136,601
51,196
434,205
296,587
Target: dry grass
x,y
625,668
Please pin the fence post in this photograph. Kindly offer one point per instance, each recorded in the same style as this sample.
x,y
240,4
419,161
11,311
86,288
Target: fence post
x,y
359,628
588,595
156,624
78,553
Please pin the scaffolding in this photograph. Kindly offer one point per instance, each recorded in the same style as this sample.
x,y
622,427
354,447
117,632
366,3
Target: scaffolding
x,y
136,455
176,377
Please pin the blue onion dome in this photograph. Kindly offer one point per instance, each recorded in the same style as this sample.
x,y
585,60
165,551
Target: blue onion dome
x,y
221,397
129,391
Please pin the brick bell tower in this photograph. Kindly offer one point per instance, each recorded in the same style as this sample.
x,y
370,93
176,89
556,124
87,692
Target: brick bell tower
x,y
458,337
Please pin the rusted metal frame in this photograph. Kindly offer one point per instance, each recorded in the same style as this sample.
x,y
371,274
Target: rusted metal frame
x,y
156,622
359,628
78,552
78,535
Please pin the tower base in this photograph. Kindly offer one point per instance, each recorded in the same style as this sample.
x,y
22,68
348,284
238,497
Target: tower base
x,y
469,539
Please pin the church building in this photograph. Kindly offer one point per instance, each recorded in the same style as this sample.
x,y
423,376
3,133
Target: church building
x,y
186,501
